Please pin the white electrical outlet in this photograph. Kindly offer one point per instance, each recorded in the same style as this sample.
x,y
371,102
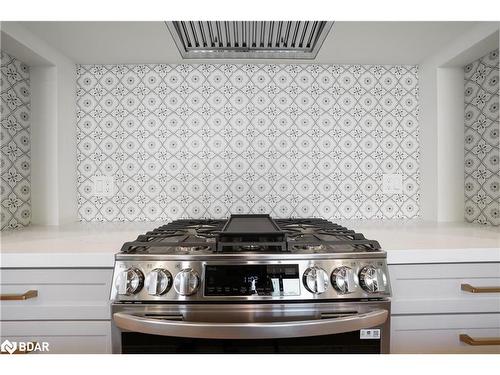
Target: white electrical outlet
x,y
104,186
392,183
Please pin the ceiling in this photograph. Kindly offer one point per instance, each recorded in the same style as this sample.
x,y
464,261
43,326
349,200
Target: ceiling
x,y
150,42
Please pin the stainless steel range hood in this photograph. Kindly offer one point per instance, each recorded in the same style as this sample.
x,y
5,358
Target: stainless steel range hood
x,y
249,39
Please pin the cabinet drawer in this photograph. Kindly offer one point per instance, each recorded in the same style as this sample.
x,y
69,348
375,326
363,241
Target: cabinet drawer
x,y
62,293
68,337
436,288
440,333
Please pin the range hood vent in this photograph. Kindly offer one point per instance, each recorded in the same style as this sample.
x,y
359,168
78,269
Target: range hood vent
x,y
249,39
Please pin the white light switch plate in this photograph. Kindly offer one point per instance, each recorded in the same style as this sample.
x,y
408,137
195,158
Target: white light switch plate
x,y
104,186
392,183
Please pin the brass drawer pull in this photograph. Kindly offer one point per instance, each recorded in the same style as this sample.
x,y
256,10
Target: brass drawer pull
x,y
479,340
19,297
480,289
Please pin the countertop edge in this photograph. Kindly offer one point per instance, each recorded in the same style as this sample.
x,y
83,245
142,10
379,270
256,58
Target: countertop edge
x,y
106,259
56,260
452,255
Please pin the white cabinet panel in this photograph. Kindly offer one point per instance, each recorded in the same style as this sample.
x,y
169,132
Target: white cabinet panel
x,y
64,337
63,293
440,333
435,288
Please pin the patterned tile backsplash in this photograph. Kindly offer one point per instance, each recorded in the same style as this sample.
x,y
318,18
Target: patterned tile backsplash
x,y
209,140
15,164
482,129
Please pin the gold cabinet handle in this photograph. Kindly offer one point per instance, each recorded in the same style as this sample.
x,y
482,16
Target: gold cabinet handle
x,y
476,341
19,297
480,289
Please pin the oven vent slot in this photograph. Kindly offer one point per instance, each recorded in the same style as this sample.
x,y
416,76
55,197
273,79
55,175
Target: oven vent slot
x,y
249,39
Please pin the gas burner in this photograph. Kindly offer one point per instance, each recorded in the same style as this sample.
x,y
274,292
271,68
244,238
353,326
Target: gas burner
x,y
190,249
309,247
196,232
299,225
299,230
201,227
252,247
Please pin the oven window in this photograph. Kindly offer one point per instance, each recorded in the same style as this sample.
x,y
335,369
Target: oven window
x,y
346,343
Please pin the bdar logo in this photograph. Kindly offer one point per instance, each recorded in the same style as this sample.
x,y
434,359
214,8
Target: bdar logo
x,y
8,347
24,347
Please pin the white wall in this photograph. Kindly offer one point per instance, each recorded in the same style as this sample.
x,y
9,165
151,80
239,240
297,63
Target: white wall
x,y
450,138
54,157
441,122
428,141
66,143
43,154
53,126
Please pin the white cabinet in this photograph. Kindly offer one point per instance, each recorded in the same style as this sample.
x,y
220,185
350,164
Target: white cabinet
x,y
441,333
430,310
62,293
66,307
436,288
63,337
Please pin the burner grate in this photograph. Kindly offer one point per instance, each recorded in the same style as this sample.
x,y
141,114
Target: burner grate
x,y
250,233
312,233
177,236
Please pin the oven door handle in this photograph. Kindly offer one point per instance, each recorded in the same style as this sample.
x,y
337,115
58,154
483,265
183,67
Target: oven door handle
x,y
255,330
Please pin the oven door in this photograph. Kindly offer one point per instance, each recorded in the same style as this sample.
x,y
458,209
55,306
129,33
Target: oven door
x,y
344,327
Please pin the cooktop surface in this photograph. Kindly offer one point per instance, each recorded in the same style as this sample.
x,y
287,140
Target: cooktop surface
x,y
250,233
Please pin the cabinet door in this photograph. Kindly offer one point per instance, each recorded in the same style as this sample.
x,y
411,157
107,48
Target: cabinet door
x,y
441,333
61,293
63,337
436,288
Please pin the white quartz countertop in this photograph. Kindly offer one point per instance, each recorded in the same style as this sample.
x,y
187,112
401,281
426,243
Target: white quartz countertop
x,y
94,244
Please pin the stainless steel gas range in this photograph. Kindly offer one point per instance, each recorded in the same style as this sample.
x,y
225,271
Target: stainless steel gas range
x,y
251,284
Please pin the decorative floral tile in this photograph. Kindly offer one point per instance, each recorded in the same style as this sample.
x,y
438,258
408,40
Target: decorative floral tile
x,y
15,188
482,154
209,140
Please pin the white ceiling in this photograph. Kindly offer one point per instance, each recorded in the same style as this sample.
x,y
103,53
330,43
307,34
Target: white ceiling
x,y
150,42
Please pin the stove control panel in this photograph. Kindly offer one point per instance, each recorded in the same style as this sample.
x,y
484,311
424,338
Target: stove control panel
x,y
302,279
252,279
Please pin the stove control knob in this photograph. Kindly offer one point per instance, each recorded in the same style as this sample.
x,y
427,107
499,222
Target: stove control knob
x,y
344,280
315,280
186,282
130,281
372,279
158,282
